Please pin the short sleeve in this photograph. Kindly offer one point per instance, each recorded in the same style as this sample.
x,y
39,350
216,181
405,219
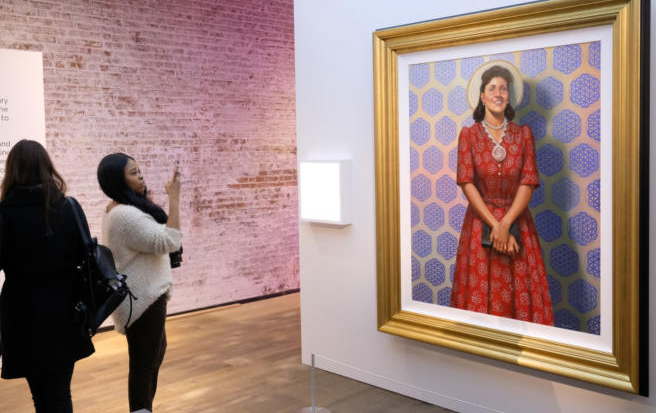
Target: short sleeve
x,y
465,172
529,175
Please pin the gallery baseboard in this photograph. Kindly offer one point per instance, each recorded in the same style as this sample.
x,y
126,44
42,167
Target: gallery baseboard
x,y
217,306
374,379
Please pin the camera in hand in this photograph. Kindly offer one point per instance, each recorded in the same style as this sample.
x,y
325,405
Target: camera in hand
x,y
176,258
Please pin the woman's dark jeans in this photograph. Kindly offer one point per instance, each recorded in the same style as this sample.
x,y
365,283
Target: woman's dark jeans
x,y
146,347
51,390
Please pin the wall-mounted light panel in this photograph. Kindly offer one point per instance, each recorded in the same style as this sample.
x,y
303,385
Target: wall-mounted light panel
x,y
325,192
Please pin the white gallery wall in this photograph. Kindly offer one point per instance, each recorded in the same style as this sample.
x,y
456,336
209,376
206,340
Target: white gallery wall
x,y
334,91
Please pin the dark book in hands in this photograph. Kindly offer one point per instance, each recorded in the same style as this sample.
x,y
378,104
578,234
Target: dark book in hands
x,y
485,235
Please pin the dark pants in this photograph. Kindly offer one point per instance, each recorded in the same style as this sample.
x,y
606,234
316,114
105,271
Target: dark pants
x,y
51,390
146,347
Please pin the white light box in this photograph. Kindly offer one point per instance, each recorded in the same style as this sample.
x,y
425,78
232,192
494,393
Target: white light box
x,y
325,192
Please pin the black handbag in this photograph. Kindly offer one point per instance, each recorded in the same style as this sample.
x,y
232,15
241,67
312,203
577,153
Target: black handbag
x,y
103,288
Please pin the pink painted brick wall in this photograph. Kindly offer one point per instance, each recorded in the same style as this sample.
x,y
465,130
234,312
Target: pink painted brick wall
x,y
210,83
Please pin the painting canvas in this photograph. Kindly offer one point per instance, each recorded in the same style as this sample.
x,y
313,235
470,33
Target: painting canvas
x,y
561,105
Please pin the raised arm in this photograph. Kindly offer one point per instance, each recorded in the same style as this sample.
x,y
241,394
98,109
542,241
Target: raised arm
x,y
173,190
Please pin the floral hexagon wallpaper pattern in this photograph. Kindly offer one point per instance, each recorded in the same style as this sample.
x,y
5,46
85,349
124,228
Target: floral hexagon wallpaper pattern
x,y
561,105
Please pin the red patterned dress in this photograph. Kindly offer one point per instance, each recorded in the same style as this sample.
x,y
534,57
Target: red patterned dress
x,y
485,280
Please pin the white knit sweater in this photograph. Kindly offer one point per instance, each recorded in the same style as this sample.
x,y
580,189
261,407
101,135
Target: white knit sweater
x,y
140,246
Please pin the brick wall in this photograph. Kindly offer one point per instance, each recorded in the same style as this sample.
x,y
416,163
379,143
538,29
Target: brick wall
x,y
210,83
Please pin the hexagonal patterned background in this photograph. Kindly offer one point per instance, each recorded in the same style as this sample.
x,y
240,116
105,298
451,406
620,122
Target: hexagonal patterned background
x,y
537,123
433,160
561,104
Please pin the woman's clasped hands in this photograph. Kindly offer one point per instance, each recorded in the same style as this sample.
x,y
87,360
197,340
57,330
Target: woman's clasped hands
x,y
502,240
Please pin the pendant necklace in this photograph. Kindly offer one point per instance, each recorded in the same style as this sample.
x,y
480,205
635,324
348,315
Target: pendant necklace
x,y
498,152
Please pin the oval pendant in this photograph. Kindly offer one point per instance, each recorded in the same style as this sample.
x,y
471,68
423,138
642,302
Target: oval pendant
x,y
499,153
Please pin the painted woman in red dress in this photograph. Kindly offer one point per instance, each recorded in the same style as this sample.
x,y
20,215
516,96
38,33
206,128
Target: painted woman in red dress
x,y
497,172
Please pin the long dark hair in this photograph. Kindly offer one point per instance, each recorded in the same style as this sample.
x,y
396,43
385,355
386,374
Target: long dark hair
x,y
111,177
488,75
28,164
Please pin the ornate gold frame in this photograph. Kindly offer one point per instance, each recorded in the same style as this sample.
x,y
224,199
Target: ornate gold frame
x,y
619,369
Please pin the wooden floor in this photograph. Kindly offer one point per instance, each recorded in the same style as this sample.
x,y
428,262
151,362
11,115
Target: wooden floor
x,y
243,358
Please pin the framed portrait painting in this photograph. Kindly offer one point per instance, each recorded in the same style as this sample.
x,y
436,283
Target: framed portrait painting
x,y
510,198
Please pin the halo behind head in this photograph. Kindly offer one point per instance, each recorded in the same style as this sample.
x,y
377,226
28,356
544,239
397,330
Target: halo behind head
x,y
516,88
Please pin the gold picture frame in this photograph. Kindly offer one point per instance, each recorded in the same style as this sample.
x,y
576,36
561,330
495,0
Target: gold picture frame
x,y
622,367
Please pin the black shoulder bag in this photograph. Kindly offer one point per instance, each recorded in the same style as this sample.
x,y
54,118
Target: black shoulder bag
x,y
103,288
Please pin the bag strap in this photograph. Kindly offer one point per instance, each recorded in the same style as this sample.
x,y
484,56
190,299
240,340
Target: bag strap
x,y
86,238
84,233
87,242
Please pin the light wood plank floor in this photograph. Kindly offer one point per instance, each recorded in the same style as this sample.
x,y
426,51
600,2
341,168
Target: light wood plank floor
x,y
236,359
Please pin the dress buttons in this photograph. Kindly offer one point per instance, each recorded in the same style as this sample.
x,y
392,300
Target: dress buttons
x,y
499,173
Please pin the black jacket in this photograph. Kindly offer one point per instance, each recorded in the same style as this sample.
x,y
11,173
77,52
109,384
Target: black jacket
x,y
37,327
